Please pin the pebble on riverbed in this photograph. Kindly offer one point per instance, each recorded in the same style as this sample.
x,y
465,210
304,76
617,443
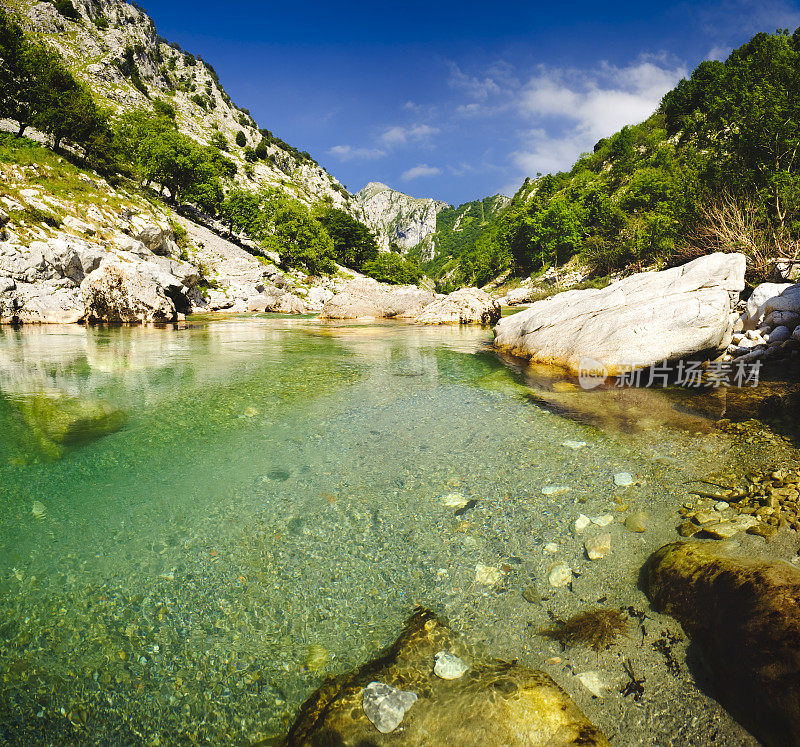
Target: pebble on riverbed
x,y
448,666
598,546
559,574
554,489
623,479
768,501
385,706
637,521
487,575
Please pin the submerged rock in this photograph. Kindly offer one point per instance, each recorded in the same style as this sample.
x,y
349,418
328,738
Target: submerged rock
x,y
465,306
496,704
744,615
59,420
448,666
385,705
637,321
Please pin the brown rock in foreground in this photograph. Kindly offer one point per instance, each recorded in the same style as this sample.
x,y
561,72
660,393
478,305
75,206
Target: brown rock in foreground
x,y
744,615
493,704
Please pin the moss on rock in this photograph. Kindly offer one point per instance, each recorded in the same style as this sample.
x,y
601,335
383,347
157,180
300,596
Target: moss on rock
x,y
744,615
493,704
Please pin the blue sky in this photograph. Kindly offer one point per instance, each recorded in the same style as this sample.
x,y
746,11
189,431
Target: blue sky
x,y
455,100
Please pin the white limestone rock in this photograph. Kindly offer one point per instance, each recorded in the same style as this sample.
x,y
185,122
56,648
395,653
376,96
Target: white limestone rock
x,y
465,306
639,320
385,706
448,667
367,298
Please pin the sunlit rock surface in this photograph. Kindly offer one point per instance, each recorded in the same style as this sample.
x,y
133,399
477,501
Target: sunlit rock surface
x,y
494,703
638,321
743,613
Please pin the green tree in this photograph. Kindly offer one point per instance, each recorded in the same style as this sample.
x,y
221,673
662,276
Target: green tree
x,y
300,240
243,211
353,243
241,139
389,267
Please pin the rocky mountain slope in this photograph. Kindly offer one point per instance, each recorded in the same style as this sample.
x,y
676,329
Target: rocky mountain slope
x,y
398,218
114,47
74,247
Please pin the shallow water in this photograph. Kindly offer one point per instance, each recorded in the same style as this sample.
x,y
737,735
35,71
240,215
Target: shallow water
x,y
278,485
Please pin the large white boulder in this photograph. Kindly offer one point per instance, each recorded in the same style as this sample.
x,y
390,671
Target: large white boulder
x,y
121,290
637,321
465,306
367,298
757,303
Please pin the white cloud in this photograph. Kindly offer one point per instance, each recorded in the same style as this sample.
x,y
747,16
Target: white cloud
x,y
572,109
718,52
418,171
400,135
497,79
349,153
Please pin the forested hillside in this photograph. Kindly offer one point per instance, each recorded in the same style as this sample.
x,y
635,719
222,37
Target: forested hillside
x,y
714,168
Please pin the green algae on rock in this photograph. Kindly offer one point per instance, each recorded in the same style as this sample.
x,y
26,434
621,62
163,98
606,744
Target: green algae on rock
x,y
494,703
59,420
744,615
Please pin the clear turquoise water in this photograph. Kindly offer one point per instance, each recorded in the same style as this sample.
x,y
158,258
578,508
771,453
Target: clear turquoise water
x,y
279,485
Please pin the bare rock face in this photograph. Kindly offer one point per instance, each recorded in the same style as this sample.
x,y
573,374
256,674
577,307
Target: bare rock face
x,y
743,613
638,321
155,239
370,299
399,218
47,302
118,291
465,306
278,302
397,699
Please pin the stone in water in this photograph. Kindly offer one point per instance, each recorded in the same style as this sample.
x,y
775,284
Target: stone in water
x,y
574,444
636,521
593,682
448,667
560,575
550,547
386,706
38,510
554,489
487,575
623,479
454,500
602,521
598,547
581,523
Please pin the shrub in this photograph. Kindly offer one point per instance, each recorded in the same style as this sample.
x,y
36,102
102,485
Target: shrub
x,y
250,155
218,141
389,267
67,9
241,139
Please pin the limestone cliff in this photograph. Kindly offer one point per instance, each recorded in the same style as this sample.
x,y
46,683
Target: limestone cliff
x,y
398,218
